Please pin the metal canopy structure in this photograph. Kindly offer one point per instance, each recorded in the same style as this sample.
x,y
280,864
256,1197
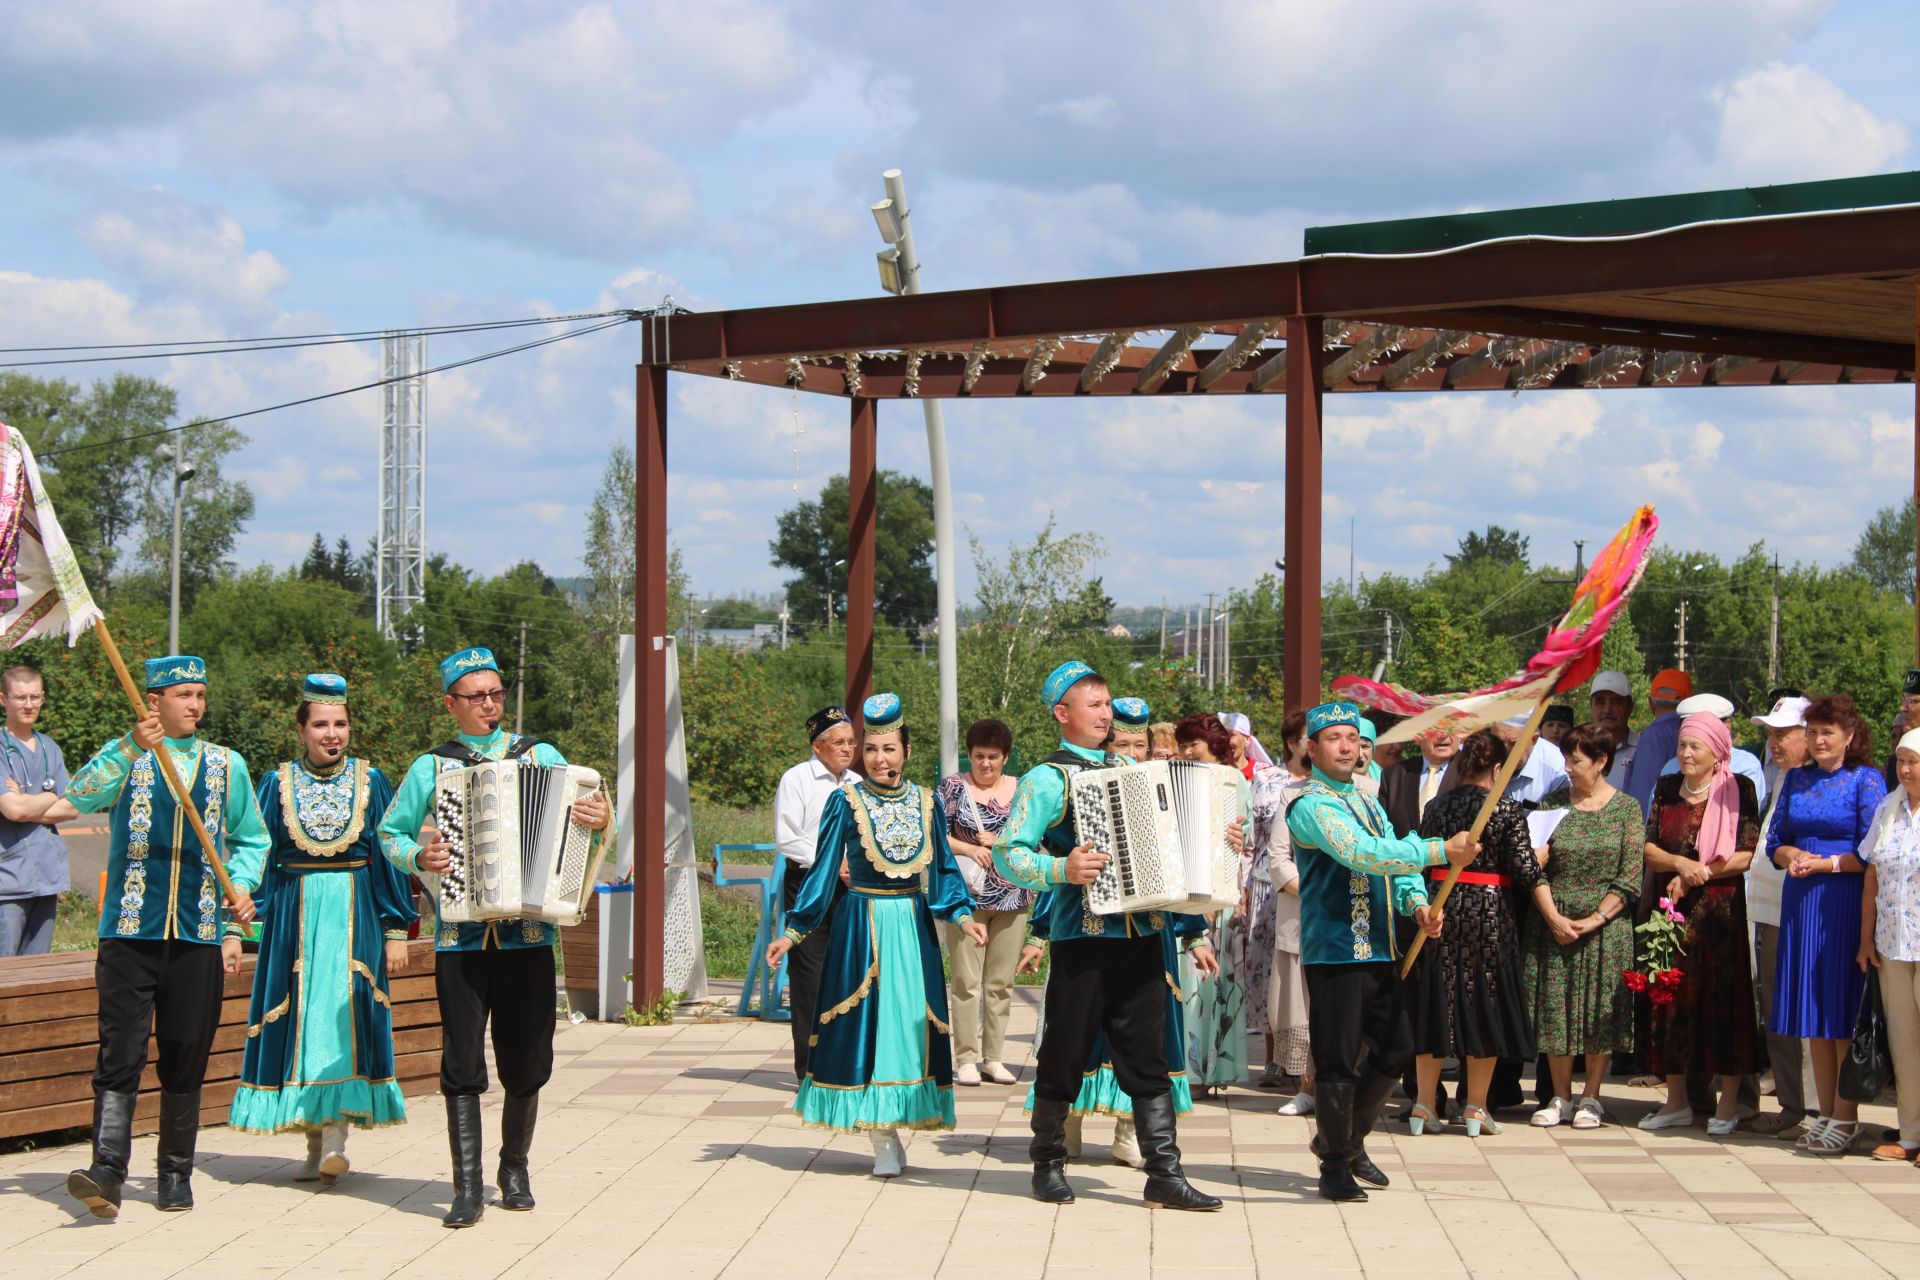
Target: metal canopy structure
x,y
1804,285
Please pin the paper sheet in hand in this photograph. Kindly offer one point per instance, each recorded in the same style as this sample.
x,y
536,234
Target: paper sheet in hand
x,y
1541,824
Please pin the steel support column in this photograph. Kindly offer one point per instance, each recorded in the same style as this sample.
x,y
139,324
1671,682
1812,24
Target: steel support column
x,y
1300,669
862,514
650,630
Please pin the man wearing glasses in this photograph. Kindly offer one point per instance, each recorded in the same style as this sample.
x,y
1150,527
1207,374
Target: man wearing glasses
x,y
33,857
501,969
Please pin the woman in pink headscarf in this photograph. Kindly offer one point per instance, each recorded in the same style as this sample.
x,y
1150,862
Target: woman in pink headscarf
x,y
1701,837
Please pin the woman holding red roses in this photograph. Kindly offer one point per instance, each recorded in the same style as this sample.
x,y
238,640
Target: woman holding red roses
x,y
1701,837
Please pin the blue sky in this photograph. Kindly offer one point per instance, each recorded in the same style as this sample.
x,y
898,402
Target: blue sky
x,y
232,168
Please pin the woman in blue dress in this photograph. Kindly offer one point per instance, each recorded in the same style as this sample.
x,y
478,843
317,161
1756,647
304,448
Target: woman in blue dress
x,y
882,1058
1823,814
335,915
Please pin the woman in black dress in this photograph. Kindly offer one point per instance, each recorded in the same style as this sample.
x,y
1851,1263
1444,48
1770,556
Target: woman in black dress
x,y
1467,992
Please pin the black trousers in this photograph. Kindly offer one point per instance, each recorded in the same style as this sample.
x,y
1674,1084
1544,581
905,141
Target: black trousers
x,y
513,988
1354,1009
1114,985
169,989
804,964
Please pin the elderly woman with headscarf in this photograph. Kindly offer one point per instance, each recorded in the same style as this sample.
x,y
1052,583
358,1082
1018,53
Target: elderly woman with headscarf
x,y
1890,934
1252,940
1701,837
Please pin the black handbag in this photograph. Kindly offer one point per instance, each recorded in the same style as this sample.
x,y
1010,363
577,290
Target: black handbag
x,y
1868,1067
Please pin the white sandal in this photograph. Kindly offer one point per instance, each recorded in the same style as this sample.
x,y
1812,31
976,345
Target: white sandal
x,y
1589,1114
1815,1127
1836,1139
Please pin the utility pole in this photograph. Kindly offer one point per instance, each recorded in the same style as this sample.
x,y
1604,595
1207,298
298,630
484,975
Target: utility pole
x,y
520,683
1186,634
829,611
1386,654
783,626
182,473
1350,555
900,273
1681,653
1773,630
1210,640
1226,647
1163,630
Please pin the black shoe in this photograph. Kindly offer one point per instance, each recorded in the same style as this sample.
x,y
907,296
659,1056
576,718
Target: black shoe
x,y
463,1138
1369,1096
1167,1184
1337,1184
1049,1151
179,1131
516,1138
1360,1166
98,1185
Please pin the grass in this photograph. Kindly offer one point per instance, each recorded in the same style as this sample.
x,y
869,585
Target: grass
x,y
76,922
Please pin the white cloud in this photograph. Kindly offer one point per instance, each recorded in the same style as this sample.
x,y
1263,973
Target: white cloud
x,y
173,246
1787,123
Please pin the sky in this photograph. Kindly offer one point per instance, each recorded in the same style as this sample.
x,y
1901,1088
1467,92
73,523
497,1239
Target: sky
x,y
226,168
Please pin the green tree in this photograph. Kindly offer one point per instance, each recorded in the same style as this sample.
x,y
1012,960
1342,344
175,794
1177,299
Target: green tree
x,y
734,613
1017,606
1088,609
1502,546
811,540
1884,553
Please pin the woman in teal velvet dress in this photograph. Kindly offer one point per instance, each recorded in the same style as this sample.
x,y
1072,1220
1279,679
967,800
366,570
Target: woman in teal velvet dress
x,y
882,1060
319,1051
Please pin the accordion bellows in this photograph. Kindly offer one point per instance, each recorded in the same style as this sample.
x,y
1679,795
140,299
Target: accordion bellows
x,y
517,852
1164,826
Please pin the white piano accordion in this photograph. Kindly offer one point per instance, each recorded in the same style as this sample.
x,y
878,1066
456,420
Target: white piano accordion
x,y
1164,826
517,852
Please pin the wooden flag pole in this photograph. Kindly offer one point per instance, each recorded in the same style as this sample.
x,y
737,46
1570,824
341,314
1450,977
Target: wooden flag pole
x,y
1521,747
174,784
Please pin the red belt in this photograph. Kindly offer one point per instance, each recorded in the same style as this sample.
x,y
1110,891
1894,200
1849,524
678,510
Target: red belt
x,y
1472,877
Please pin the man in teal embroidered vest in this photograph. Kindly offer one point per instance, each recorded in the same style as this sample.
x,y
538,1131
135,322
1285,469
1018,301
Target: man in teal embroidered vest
x,y
1354,874
158,967
1107,972
498,969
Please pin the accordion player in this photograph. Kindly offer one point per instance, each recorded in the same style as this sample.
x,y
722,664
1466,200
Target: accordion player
x,y
1163,825
517,852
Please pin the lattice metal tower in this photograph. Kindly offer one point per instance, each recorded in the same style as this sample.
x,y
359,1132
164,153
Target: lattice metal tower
x,y
400,557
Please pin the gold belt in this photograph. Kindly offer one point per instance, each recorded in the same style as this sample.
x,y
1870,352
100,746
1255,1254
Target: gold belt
x,y
355,865
883,893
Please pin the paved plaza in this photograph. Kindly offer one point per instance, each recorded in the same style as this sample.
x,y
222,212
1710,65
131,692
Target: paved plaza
x,y
668,1152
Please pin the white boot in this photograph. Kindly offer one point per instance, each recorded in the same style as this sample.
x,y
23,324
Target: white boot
x,y
1300,1104
887,1153
1073,1136
333,1151
310,1171
1126,1146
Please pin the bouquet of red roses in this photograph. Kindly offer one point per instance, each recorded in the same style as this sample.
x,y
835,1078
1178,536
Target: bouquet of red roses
x,y
1661,946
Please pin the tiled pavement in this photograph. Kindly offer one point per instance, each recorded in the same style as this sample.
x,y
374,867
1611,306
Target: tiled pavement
x,y
667,1152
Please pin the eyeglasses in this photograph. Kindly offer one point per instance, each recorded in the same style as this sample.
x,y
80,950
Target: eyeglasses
x,y
485,695
28,699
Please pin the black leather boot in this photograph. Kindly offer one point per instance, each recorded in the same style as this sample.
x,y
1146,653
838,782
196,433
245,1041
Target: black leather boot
x,y
1049,1151
463,1138
98,1185
1369,1096
516,1139
1167,1185
1333,1108
179,1131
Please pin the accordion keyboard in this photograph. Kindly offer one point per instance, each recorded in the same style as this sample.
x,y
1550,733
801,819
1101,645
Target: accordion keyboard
x,y
448,818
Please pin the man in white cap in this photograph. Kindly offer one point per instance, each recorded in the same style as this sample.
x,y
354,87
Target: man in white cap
x,y
1611,703
1741,760
1786,727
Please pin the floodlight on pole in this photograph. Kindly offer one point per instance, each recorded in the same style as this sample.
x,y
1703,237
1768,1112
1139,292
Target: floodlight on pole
x,y
887,218
891,277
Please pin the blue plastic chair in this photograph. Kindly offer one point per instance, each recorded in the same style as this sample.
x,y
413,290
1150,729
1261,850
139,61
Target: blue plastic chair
x,y
768,882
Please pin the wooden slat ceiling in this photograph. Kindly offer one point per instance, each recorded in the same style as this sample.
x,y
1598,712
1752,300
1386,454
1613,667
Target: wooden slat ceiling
x,y
1862,309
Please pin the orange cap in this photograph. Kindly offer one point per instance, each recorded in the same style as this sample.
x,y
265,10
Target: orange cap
x,y
1671,686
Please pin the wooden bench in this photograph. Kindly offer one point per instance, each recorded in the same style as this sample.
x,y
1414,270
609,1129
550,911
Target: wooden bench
x,y
48,1040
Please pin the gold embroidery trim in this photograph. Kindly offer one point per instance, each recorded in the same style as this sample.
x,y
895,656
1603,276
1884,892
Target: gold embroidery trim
x,y
298,834
871,847
359,967
865,988
1173,987
274,1014
938,1025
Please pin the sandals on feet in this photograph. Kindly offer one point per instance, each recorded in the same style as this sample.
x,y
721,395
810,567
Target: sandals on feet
x,y
1589,1114
1833,1138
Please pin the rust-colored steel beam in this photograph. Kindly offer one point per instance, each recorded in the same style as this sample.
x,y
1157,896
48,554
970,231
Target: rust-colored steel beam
x,y
862,517
1300,663
1916,474
650,631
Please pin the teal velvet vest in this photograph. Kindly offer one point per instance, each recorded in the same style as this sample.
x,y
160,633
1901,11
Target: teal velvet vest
x,y
159,882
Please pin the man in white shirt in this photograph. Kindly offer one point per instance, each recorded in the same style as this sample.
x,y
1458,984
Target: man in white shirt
x,y
797,805
1611,702
1544,771
1787,748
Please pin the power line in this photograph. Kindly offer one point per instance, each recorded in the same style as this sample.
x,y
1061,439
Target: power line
x,y
283,342
624,318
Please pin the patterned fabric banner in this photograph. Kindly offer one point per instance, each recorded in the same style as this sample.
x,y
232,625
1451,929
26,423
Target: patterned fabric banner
x,y
42,591
1566,661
